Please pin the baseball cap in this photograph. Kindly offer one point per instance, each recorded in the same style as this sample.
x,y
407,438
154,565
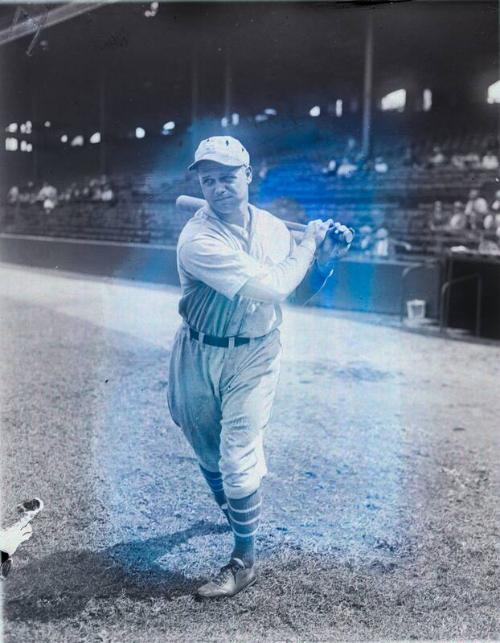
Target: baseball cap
x,y
225,150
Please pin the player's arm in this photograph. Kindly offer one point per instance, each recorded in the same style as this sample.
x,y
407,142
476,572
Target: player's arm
x,y
231,272
313,282
215,263
322,268
276,283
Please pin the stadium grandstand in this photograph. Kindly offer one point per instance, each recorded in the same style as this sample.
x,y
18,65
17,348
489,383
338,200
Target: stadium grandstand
x,y
386,120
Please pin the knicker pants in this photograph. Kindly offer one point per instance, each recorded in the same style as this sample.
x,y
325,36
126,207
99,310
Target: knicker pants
x,y
222,400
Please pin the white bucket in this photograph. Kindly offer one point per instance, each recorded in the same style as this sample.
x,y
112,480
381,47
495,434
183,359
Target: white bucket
x,y
415,309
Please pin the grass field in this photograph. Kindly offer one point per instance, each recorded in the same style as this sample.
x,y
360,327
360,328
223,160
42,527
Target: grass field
x,y
381,505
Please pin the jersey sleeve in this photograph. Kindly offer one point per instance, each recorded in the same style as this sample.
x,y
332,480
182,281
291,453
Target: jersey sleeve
x,y
217,265
312,283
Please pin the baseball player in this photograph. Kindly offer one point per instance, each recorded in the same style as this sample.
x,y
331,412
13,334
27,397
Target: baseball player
x,y
236,264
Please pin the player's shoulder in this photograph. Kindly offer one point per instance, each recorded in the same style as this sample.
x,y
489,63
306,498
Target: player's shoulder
x,y
198,230
269,220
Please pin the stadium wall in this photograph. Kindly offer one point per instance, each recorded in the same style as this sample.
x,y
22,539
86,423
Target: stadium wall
x,y
138,262
360,285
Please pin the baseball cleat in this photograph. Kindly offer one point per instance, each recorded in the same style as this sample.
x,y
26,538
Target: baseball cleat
x,y
18,533
231,579
30,507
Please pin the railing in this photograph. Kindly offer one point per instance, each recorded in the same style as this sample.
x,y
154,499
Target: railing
x,y
444,299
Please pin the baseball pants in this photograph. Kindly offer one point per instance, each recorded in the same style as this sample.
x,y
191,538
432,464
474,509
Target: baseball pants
x,y
222,400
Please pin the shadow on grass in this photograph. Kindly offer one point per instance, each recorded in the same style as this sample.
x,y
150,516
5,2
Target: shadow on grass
x,y
60,585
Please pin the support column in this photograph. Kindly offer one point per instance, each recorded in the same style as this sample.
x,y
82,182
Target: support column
x,y
228,84
368,86
35,137
102,122
195,95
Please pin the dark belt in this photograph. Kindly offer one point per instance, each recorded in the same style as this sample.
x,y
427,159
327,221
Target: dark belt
x,y
223,342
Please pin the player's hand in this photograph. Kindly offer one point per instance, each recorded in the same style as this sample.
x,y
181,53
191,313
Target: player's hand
x,y
331,250
337,250
316,230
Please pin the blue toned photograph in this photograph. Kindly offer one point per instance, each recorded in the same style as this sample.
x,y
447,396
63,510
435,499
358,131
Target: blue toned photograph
x,y
249,321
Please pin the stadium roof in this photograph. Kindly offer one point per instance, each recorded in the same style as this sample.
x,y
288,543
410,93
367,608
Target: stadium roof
x,y
276,50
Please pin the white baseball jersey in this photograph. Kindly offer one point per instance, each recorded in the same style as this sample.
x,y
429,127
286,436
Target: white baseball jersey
x,y
215,259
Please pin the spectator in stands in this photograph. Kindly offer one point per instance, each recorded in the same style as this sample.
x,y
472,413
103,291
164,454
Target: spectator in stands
x,y
458,220
438,217
458,161
489,161
45,192
31,193
381,243
65,195
24,195
492,222
380,165
472,160
495,206
476,210
74,191
384,245
13,195
47,196
346,169
488,246
49,204
330,168
95,190
437,158
366,239
107,194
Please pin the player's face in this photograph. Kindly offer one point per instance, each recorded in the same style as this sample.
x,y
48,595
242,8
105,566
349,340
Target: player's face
x,y
225,188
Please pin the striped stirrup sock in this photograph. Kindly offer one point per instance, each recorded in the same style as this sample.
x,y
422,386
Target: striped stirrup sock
x,y
244,515
214,481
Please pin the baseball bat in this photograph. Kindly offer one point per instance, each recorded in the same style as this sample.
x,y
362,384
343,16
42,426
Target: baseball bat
x,y
188,205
